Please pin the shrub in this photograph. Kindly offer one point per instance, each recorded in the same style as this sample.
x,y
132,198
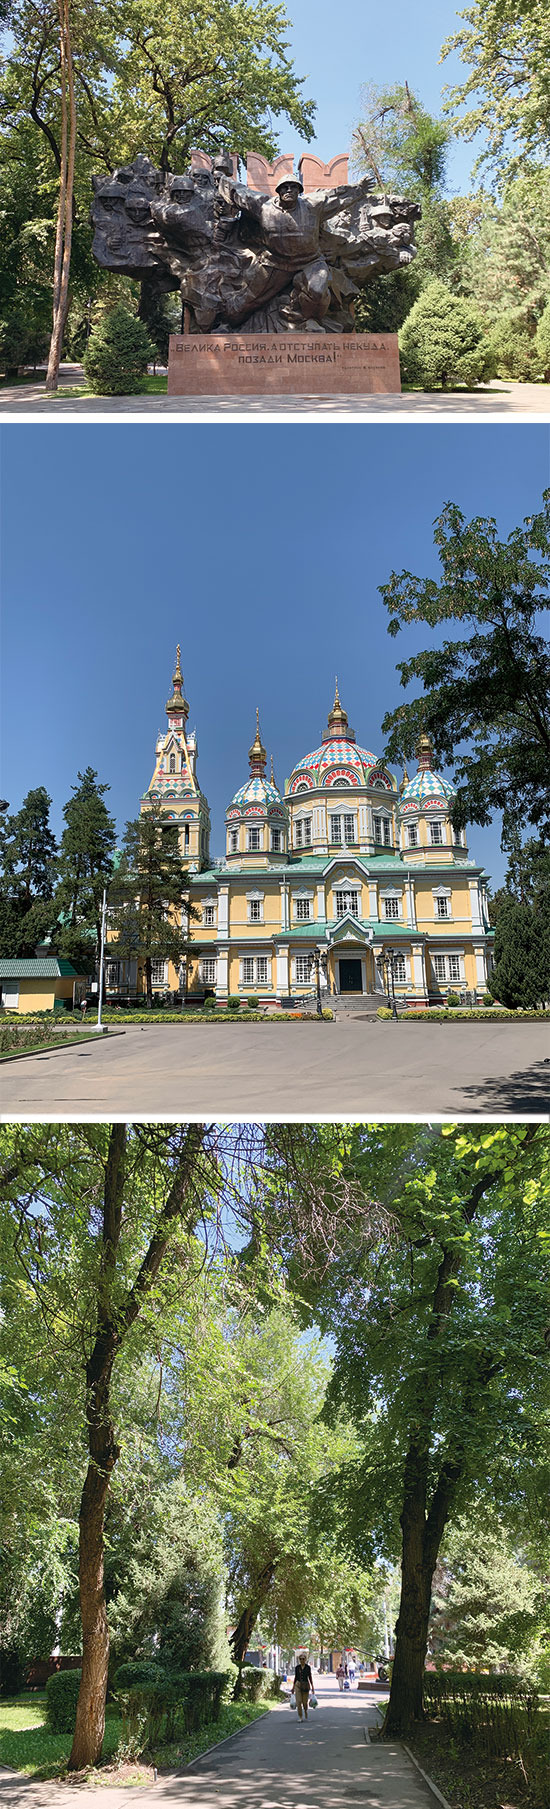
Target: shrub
x,y
119,351
233,1001
511,349
209,1003
542,343
252,1003
253,1683
61,1700
442,343
327,1013
453,998
383,1012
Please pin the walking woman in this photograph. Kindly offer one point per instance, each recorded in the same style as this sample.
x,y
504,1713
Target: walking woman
x,y
302,1685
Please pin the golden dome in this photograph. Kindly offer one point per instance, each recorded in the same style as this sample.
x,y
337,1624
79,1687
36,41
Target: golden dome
x,y
257,754
177,704
338,721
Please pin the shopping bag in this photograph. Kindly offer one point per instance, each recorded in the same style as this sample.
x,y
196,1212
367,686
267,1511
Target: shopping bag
x,y
293,1700
313,1702
346,1683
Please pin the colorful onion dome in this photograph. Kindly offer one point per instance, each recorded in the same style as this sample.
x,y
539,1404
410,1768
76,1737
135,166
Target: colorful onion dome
x,y
259,793
427,791
339,761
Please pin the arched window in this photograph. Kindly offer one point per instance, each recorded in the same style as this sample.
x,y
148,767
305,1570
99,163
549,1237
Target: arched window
x,y
172,763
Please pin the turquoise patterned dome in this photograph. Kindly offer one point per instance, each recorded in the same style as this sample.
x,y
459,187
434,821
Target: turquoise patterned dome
x,y
258,791
427,791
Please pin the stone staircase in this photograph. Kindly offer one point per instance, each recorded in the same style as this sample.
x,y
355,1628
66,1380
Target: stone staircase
x,y
356,1005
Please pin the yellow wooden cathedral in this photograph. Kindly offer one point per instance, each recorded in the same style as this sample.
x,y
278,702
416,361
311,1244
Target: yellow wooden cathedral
x,y
345,874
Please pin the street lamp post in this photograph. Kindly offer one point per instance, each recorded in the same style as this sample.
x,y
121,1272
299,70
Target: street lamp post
x,y
99,1025
316,958
385,964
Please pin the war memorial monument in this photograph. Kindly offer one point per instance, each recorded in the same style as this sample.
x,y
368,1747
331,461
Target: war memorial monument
x,y
268,271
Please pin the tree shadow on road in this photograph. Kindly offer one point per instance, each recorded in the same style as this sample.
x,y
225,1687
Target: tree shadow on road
x,y
528,1090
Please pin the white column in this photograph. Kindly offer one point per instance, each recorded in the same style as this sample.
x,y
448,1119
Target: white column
x,y
222,972
284,905
373,902
481,968
283,955
223,912
411,904
363,823
474,904
419,968
321,905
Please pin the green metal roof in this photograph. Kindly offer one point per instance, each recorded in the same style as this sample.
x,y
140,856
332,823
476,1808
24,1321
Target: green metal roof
x,y
37,967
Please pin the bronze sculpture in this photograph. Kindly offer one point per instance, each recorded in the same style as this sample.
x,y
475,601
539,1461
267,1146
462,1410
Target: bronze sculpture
x,y
247,262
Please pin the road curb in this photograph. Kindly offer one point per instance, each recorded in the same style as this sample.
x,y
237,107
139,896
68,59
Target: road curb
x,y
21,1055
427,1780
225,1742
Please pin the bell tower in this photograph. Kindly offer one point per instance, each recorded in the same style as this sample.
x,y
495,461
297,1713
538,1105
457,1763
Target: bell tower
x,y
174,785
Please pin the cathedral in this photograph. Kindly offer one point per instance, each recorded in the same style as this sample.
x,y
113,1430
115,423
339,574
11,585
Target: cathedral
x,y
346,878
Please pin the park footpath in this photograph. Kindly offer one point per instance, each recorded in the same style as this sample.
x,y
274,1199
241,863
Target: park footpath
x,y
501,398
326,1762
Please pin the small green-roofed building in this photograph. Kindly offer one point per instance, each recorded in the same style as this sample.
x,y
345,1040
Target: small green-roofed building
x,y
36,982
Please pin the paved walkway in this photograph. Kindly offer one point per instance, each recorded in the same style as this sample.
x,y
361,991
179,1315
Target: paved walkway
x,y
276,1763
501,398
280,1070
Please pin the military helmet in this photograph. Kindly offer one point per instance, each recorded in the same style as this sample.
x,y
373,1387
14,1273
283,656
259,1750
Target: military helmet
x,y
287,180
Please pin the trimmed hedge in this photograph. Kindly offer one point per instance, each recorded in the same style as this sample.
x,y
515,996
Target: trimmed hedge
x,y
156,1702
433,1015
254,1683
61,1700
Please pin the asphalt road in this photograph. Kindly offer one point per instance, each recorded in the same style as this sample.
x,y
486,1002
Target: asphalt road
x,y
298,1070
275,1763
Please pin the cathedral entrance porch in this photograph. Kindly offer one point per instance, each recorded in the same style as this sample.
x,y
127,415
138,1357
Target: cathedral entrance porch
x,y
350,974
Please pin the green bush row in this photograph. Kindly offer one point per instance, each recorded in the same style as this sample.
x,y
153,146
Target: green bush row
x,y
157,1703
433,1015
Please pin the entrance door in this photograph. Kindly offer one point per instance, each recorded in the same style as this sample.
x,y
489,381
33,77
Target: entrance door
x,y
351,976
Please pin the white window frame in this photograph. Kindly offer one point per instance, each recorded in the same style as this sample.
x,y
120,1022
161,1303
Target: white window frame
x,y
259,971
156,978
392,911
300,976
350,826
341,894
303,831
255,910
402,978
276,844
437,840
335,818
233,841
448,956
302,910
209,970
254,829
209,913
412,835
383,831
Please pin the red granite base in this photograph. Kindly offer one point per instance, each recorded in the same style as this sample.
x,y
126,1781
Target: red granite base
x,y
284,364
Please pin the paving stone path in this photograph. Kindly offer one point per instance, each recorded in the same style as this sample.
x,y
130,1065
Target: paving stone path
x,y
501,398
276,1763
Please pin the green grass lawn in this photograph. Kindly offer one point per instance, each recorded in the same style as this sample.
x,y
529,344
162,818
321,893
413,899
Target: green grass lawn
x,y
28,1747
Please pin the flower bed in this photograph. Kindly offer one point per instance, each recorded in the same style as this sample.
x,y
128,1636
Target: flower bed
x,y
433,1015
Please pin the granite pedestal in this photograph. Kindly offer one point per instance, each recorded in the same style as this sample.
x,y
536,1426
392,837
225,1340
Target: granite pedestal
x,y
285,364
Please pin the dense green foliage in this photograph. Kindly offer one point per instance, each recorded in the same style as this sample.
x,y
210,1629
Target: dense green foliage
x,y
441,343
61,1700
117,355
489,689
422,1256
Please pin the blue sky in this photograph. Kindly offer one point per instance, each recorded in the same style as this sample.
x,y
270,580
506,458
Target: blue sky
x,y
260,548
340,49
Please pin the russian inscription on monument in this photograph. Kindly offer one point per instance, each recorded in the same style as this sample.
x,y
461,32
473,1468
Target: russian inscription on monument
x,y
274,262
284,364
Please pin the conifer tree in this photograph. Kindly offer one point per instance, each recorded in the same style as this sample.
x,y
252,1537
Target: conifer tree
x,y
85,858
150,913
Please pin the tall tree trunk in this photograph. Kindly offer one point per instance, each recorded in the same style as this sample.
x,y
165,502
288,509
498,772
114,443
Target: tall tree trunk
x,y
117,1310
240,1638
90,1714
64,228
405,1704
